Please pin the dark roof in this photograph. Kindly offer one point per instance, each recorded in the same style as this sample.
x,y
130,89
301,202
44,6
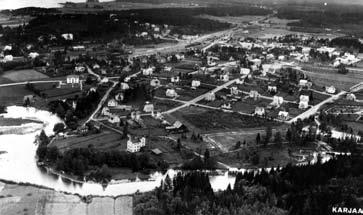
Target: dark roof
x,y
157,151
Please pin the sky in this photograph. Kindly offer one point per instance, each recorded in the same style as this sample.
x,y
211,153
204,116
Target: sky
x,y
13,4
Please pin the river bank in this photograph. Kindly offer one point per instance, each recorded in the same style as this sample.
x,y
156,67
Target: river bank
x,y
20,155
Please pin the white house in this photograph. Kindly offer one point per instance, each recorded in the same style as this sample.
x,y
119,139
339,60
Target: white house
x,y
210,97
73,79
80,69
8,48
304,102
8,58
224,77
106,111
175,79
254,94
135,144
104,80
234,91
272,89
171,93
277,101
33,55
167,69
281,58
303,83
240,81
195,84
119,97
256,62
144,34
155,82
148,71
330,89
67,36
124,86
112,103
227,106
260,111
351,97
114,119
148,107
283,115
244,71
246,45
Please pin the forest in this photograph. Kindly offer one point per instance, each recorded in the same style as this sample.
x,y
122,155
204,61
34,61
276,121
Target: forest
x,y
317,17
298,190
99,26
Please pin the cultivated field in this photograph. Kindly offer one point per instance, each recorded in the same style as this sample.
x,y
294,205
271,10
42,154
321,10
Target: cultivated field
x,y
13,95
24,75
226,141
17,199
327,77
107,140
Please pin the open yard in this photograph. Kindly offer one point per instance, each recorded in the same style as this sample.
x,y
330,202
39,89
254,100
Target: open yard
x,y
23,75
14,95
226,141
219,120
327,77
107,140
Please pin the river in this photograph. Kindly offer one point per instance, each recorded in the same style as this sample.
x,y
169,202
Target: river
x,y
18,164
14,4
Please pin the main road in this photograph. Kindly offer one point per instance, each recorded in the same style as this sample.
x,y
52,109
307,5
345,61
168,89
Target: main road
x,y
201,97
313,110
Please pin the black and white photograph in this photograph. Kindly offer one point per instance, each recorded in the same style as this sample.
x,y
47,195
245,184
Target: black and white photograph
x,y
181,107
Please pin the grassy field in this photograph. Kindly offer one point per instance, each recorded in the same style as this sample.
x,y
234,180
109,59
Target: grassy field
x,y
107,140
28,200
249,105
218,120
267,156
15,122
23,75
326,77
226,141
13,95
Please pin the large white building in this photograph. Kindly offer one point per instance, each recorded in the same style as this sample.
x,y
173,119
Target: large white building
x,y
73,79
135,144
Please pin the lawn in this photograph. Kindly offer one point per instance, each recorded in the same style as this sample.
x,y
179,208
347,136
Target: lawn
x,y
226,141
105,141
326,77
219,120
13,95
23,75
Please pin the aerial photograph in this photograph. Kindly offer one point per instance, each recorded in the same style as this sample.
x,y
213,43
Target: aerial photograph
x,y
181,107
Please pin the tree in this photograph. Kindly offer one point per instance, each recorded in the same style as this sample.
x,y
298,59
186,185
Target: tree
x,y
125,130
278,138
206,155
288,135
59,127
342,69
258,139
268,134
238,145
60,111
178,145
